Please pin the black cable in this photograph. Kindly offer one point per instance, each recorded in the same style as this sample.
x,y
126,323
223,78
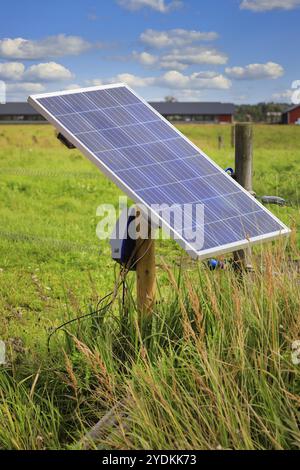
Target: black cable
x,y
123,274
81,317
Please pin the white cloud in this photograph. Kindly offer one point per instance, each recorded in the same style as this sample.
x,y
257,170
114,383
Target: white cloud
x,y
284,96
144,58
179,58
11,71
133,80
19,80
267,5
175,37
204,80
172,80
256,71
26,87
96,82
182,58
158,5
180,49
189,95
73,86
128,78
52,46
168,64
50,71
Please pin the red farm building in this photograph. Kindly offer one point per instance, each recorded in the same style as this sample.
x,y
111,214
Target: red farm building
x,y
291,115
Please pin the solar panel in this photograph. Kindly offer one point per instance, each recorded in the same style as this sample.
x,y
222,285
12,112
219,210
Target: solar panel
x,y
148,158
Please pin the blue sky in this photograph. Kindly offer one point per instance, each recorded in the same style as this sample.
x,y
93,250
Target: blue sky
x,y
217,50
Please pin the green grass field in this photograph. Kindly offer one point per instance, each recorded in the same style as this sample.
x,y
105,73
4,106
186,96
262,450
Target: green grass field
x,y
214,368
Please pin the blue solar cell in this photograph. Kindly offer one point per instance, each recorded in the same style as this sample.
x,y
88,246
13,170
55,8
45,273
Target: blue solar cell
x,y
222,183
57,106
96,119
219,205
100,100
201,189
75,125
138,156
95,141
120,116
245,225
118,138
154,196
160,177
147,155
177,192
162,130
182,148
200,165
183,169
79,103
159,152
142,113
178,217
135,179
140,133
114,159
242,203
263,222
220,233
123,96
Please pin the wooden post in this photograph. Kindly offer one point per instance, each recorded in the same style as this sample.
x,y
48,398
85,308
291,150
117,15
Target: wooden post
x,y
233,135
220,142
244,155
244,174
145,268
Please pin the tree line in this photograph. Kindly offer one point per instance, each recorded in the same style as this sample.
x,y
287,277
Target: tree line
x,y
253,112
259,112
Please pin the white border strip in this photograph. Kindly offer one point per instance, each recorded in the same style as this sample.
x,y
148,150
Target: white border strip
x,y
32,100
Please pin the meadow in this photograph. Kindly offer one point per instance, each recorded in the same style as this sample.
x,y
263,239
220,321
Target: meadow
x,y
213,369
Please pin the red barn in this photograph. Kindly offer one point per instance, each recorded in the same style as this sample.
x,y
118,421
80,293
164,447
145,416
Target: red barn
x,y
292,115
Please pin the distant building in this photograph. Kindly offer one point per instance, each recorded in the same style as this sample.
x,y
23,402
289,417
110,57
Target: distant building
x,y
291,115
173,111
274,117
18,113
194,112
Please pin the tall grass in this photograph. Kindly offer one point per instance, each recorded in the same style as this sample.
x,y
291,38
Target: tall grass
x,y
213,367
212,370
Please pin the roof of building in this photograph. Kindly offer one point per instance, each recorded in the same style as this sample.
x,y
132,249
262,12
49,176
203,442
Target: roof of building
x,y
193,108
165,108
17,108
291,108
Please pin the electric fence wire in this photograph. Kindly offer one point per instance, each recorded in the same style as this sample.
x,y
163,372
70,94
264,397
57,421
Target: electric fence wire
x,y
122,275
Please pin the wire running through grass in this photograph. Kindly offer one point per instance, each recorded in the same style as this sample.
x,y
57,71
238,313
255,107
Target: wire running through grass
x,y
122,275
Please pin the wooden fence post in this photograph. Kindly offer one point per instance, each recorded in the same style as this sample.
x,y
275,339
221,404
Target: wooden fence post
x,y
233,135
244,176
145,268
220,142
